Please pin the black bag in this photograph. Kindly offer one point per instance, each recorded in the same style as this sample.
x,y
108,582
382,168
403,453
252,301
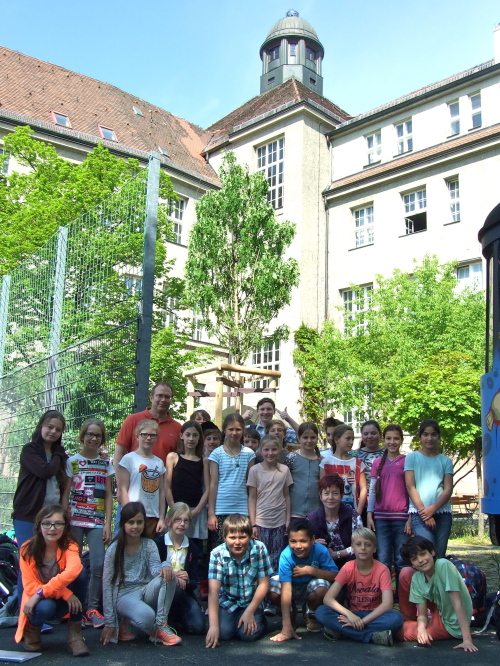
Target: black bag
x,y
9,567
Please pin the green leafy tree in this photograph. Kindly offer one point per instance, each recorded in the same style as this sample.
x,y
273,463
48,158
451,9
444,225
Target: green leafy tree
x,y
236,273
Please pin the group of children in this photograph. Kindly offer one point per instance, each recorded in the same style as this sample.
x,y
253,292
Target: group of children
x,y
283,529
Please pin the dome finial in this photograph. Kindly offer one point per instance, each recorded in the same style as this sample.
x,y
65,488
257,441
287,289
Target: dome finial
x,y
292,12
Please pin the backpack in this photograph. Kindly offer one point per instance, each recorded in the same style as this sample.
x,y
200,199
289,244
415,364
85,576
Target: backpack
x,y
475,582
9,567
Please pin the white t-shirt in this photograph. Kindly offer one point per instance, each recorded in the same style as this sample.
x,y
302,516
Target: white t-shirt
x,y
88,489
146,481
350,470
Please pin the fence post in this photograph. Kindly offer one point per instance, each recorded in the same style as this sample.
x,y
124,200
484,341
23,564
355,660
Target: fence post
x,y
56,319
4,309
148,283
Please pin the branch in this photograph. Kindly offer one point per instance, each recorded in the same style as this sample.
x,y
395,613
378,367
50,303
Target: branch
x,y
462,466
463,477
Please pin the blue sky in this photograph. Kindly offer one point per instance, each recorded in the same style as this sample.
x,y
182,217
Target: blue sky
x,y
200,60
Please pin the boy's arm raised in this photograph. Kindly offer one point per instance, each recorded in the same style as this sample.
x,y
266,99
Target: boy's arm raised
x,y
467,645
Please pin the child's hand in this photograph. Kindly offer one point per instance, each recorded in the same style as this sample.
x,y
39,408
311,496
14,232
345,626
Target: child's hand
x,y
107,634
182,579
427,512
248,622
431,524
370,523
167,573
160,526
303,571
321,541
286,635
74,604
212,523
29,606
212,639
106,533
247,415
408,530
255,533
423,636
467,646
349,619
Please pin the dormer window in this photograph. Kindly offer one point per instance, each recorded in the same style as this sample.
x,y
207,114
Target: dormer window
x,y
274,53
310,54
60,119
137,111
107,133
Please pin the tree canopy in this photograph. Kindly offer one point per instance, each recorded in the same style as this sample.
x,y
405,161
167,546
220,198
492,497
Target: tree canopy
x,y
412,348
237,276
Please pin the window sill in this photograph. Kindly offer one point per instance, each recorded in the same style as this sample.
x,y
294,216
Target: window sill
x,y
447,224
406,152
367,166
176,243
360,247
413,234
474,129
453,136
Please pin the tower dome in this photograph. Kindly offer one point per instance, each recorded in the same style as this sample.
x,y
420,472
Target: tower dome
x,y
292,48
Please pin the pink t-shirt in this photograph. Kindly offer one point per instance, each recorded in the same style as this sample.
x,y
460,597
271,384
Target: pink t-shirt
x,y
364,591
270,485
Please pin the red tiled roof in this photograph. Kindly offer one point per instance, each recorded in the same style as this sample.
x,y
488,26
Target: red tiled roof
x,y
289,91
407,160
35,88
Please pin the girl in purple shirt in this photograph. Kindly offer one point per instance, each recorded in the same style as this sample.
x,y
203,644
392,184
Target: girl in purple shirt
x,y
388,500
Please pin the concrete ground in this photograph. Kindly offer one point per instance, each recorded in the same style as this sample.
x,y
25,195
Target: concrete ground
x,y
312,649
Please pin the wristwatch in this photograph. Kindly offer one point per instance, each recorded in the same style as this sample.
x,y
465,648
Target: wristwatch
x,y
40,593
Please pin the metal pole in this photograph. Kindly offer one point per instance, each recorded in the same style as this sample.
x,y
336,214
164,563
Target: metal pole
x,y
148,283
55,324
4,308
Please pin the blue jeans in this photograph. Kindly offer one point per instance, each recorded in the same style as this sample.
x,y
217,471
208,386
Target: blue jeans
x,y
228,625
390,537
438,536
389,621
55,609
185,610
117,518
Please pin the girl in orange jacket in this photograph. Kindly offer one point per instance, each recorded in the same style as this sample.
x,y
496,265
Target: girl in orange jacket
x,y
54,581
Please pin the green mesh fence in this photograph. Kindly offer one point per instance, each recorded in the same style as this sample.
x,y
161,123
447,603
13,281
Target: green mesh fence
x,y
71,329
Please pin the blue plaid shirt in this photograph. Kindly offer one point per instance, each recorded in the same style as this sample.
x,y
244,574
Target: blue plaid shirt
x,y
239,578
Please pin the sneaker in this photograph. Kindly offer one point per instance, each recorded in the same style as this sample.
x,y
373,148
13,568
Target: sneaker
x,y
93,618
46,628
331,634
125,632
383,638
164,635
312,624
270,609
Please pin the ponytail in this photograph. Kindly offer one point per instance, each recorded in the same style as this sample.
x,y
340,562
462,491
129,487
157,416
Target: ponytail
x,y
378,485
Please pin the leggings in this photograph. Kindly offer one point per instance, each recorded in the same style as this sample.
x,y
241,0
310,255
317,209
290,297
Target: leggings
x,y
148,606
96,552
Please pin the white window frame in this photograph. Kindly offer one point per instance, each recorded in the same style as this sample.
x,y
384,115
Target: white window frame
x,y
266,357
103,130
454,111
414,203
374,147
454,192
271,161
470,275
58,117
133,285
355,301
475,109
171,316
176,216
274,53
293,49
5,168
198,333
363,225
404,136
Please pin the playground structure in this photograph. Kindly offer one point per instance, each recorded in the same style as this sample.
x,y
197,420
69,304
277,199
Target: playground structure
x,y
227,374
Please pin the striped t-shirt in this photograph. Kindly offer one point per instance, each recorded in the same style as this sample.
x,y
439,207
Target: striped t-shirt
x,y
232,494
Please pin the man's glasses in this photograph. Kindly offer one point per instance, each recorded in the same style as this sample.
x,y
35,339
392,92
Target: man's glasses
x,y
57,526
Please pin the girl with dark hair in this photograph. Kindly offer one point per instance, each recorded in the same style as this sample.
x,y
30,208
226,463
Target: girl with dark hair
x,y
42,473
54,581
89,496
304,468
369,448
388,500
187,480
429,480
334,522
136,585
229,467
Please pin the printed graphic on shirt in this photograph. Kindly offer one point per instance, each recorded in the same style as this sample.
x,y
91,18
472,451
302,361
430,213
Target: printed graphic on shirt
x,y
150,479
349,477
88,490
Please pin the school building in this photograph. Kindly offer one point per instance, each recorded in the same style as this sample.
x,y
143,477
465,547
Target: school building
x,y
368,193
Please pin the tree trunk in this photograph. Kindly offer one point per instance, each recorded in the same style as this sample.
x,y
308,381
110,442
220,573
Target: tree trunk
x,y
479,474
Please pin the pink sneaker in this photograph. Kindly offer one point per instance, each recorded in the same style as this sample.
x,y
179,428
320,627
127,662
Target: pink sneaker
x,y
93,618
125,632
164,635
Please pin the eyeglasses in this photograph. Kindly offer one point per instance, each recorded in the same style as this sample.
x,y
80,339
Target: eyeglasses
x,y
147,435
92,435
57,526
182,520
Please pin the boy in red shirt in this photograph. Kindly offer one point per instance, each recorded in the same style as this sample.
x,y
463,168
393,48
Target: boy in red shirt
x,y
370,618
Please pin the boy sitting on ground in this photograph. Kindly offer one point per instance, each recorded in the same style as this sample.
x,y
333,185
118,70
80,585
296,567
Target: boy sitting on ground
x,y
238,581
370,617
306,571
435,584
